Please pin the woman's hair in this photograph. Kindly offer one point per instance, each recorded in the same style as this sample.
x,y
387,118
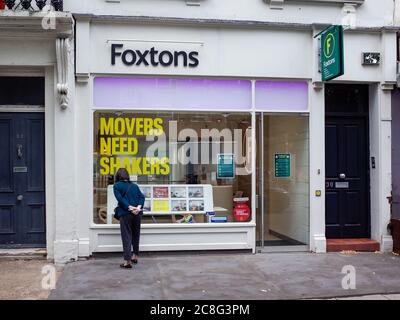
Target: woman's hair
x,y
122,174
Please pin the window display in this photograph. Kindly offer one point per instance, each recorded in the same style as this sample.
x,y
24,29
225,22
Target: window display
x,y
175,158
178,192
195,192
163,202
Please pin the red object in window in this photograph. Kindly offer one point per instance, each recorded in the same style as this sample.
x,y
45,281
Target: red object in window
x,y
241,211
2,4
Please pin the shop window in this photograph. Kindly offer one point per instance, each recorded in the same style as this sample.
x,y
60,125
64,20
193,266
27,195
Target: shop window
x,y
189,165
284,159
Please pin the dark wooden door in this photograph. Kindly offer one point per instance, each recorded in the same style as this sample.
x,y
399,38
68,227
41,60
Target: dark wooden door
x,y
22,179
347,192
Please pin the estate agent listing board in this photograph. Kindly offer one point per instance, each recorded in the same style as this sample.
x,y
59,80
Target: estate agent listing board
x,y
169,199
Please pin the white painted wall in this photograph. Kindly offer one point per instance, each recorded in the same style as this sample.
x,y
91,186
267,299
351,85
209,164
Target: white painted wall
x,y
373,13
232,52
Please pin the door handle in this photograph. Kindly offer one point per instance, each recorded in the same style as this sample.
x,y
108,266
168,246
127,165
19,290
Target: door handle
x,y
342,176
20,197
19,151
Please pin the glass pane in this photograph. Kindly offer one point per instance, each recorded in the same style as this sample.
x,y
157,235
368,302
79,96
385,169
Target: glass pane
x,y
344,98
190,166
286,180
167,94
281,95
22,91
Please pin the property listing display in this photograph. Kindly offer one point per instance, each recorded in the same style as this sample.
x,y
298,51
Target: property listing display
x,y
170,200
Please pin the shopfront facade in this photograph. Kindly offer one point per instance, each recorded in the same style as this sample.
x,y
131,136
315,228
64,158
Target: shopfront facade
x,y
255,92
202,115
206,106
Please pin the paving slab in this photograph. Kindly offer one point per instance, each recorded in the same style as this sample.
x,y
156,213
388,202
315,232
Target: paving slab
x,y
229,276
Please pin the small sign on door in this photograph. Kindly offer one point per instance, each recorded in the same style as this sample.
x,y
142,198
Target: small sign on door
x,y
341,185
282,165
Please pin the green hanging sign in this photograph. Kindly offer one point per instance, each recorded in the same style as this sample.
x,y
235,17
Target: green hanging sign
x,y
332,62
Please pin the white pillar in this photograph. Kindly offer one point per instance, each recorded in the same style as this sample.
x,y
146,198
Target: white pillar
x,y
84,129
317,154
317,170
50,102
66,241
381,177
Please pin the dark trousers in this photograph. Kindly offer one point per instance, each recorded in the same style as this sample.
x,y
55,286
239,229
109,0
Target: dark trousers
x,y
130,234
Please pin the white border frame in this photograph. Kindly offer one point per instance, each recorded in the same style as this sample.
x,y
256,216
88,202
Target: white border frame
x,y
96,230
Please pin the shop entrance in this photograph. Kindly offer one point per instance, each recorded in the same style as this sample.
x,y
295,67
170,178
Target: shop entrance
x,y
282,215
22,179
346,161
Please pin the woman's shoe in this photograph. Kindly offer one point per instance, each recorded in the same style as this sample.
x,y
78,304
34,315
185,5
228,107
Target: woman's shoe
x,y
126,266
134,261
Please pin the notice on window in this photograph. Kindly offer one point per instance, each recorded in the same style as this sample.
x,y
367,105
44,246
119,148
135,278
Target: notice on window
x,y
225,166
160,206
282,165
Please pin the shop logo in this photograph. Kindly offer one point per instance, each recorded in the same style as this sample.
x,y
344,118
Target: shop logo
x,y
329,45
165,58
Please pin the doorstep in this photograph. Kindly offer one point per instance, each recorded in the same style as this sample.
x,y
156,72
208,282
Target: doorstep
x,y
23,254
360,244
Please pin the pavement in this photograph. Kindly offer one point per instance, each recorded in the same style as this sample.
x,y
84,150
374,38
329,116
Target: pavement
x,y
21,279
371,297
232,276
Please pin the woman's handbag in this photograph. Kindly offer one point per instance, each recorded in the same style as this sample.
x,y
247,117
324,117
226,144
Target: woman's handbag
x,y
116,208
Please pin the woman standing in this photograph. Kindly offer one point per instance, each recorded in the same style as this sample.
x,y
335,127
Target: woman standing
x,y
129,211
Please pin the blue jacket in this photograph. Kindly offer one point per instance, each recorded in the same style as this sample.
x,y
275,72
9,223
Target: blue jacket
x,y
133,197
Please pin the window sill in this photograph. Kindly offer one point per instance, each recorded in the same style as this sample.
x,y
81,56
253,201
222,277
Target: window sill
x,y
180,225
278,4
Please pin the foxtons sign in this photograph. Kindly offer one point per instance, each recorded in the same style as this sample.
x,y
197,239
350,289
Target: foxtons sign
x,y
153,57
332,53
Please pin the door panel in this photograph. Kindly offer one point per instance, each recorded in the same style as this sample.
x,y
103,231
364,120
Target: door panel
x,y
7,220
332,209
352,156
35,152
22,180
332,166
347,192
6,178
353,208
